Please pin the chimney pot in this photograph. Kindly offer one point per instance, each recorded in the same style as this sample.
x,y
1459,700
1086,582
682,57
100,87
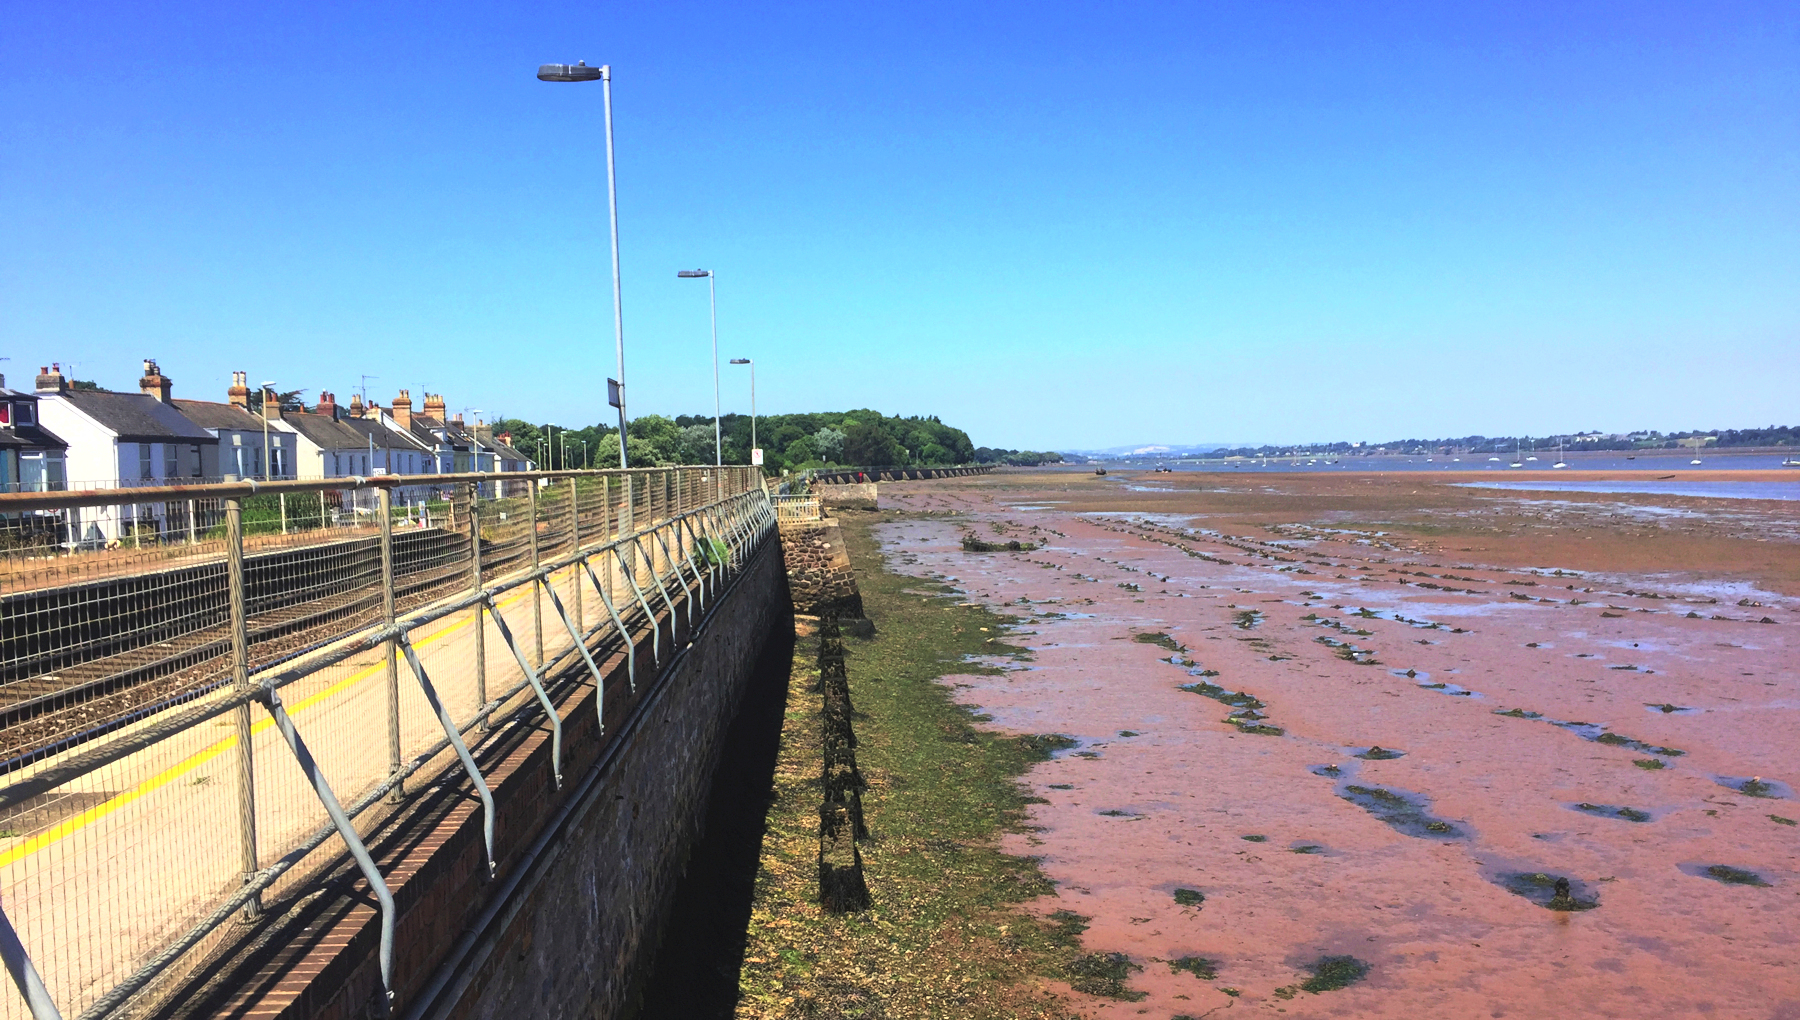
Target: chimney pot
x,y
239,393
154,383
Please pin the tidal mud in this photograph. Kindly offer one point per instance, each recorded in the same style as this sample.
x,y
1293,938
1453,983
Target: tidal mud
x,y
1348,866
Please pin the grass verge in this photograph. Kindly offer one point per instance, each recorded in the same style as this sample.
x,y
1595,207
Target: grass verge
x,y
945,937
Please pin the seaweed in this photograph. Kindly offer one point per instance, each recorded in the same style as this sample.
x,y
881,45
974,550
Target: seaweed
x,y
1379,753
1254,838
1043,746
1650,764
1334,972
1103,974
1160,640
1734,876
1189,897
1199,966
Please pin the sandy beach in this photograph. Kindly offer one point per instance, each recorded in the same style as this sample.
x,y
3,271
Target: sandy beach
x,y
1377,716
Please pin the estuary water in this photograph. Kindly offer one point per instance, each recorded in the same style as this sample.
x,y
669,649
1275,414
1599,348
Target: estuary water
x,y
1709,490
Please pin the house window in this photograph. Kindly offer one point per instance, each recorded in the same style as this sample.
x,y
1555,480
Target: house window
x,y
171,459
195,450
145,468
27,412
6,413
42,472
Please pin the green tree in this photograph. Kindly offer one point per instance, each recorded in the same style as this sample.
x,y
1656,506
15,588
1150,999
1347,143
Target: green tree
x,y
869,445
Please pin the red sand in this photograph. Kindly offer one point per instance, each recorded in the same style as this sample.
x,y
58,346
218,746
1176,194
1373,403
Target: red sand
x,y
1442,936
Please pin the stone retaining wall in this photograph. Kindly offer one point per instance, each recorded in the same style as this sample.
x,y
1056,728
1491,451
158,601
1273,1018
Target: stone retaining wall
x,y
818,569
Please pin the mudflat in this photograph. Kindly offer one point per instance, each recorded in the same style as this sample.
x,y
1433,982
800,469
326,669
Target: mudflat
x,y
1377,745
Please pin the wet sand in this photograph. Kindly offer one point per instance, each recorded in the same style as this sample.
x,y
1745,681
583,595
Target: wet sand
x,y
1317,596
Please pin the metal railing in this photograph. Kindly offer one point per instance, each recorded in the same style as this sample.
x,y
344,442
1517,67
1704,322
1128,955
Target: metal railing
x,y
191,734
796,508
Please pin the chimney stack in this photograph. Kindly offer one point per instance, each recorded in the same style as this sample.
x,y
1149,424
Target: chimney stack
x,y
328,404
356,407
434,406
154,383
457,419
403,410
50,380
239,393
271,404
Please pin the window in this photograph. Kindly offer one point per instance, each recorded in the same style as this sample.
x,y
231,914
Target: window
x,y
195,450
41,472
27,412
145,470
6,413
171,458
7,470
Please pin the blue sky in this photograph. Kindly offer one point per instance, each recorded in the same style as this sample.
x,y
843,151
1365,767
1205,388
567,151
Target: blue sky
x,y
1055,225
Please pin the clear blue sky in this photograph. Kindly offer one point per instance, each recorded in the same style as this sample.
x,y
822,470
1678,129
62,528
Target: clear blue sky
x,y
1056,225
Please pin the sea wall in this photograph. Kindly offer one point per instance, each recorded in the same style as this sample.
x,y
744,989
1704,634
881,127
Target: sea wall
x,y
819,578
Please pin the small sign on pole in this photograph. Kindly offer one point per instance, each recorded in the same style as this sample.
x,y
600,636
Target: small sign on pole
x,y
756,457
612,392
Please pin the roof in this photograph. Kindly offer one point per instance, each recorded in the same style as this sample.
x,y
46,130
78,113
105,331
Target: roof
x,y
385,438
326,432
210,414
427,428
506,452
137,417
31,437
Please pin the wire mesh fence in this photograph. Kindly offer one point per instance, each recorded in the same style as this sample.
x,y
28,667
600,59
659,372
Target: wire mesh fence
x,y
153,711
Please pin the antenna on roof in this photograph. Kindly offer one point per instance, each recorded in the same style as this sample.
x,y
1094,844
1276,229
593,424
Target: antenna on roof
x,y
365,387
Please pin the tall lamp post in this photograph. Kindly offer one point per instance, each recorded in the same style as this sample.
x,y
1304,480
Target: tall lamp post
x,y
712,288
752,363
580,71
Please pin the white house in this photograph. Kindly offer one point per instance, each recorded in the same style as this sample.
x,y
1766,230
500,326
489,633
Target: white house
x,y
119,440
249,445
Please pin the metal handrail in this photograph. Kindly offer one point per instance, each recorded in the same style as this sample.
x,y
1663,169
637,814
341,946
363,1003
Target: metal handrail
x,y
742,519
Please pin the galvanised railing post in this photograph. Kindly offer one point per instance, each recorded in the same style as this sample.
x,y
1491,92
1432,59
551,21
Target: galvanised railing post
x,y
575,547
481,697
537,601
240,675
25,974
384,509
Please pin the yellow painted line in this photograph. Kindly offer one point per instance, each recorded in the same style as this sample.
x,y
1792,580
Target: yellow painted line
x,y
81,821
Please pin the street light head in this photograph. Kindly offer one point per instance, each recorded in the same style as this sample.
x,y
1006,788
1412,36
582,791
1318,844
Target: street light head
x,y
578,71
694,274
740,361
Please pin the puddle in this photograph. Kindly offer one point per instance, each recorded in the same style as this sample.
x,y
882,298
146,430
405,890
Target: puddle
x,y
1756,786
1406,812
1629,814
1552,892
1723,873
1599,734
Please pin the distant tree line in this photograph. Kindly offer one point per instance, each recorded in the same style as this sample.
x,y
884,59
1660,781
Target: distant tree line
x,y
859,438
1774,435
1017,458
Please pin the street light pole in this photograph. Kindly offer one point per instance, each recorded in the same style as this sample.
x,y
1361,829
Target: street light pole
x,y
752,363
580,71
712,288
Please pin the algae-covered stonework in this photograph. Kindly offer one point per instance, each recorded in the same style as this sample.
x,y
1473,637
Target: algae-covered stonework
x,y
944,935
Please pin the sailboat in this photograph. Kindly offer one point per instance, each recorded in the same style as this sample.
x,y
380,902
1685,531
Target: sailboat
x,y
1696,459
1559,456
1517,461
